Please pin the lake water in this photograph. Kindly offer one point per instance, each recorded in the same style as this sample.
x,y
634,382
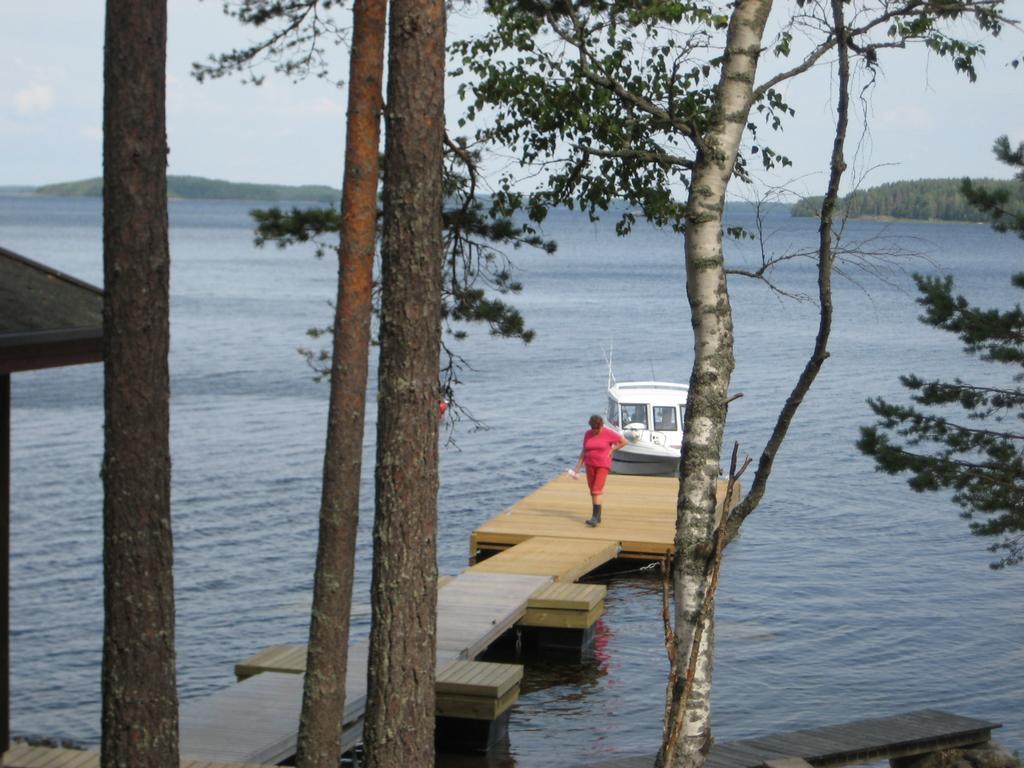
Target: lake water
x,y
846,596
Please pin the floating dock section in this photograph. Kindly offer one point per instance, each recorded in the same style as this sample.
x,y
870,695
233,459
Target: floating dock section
x,y
638,516
898,738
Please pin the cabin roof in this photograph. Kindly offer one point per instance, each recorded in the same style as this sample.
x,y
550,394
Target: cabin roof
x,y
658,392
47,318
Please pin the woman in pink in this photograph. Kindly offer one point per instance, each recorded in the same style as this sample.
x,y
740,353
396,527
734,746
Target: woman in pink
x,y
599,443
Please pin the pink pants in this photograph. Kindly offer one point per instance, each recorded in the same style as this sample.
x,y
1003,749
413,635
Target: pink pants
x,y
595,479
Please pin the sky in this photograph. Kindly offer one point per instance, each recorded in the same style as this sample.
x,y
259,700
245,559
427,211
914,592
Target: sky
x,y
925,122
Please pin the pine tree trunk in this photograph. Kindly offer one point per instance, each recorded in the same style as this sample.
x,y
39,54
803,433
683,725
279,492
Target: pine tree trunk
x,y
711,316
140,704
323,700
399,727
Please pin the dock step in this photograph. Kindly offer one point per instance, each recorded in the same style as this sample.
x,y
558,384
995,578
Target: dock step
x,y
477,690
289,659
474,690
565,606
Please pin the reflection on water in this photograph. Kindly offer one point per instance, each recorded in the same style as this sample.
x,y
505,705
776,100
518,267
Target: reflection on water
x,y
611,700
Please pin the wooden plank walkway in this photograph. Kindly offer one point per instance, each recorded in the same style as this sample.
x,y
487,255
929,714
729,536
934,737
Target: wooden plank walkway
x,y
874,739
257,719
25,756
564,560
639,515
474,609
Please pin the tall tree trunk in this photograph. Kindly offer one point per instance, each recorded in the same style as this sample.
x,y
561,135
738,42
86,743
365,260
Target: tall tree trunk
x,y
140,702
711,316
400,709
323,699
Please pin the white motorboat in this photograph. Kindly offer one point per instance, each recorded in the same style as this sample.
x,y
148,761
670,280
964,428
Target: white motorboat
x,y
649,414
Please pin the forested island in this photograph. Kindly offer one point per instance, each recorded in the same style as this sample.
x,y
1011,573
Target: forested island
x,y
923,199
199,188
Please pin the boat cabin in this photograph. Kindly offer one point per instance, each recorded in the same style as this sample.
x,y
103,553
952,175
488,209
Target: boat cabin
x,y
652,405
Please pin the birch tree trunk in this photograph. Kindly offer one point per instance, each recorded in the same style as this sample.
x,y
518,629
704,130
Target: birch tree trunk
x,y
140,702
711,316
323,696
399,727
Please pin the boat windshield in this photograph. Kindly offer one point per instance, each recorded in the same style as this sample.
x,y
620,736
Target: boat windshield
x,y
634,413
613,412
665,418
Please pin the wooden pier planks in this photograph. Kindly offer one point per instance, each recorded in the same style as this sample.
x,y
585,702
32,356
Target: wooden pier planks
x,y
257,720
639,513
564,560
276,658
874,739
26,756
474,609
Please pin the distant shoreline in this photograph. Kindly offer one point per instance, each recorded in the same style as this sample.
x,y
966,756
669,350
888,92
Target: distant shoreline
x,y
895,202
922,200
192,188
901,219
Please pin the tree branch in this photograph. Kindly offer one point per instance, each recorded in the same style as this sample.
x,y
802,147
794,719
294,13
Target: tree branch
x,y
819,354
638,154
578,41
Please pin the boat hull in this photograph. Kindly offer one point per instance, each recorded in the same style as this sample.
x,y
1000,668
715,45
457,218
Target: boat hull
x,y
634,460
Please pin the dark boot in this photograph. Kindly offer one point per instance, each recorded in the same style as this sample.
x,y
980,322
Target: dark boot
x,y
595,519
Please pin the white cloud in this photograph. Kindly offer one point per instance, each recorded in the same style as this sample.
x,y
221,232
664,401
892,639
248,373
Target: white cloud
x,y
327,106
36,98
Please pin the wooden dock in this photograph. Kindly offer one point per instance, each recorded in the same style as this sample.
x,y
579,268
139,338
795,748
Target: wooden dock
x,y
257,719
639,516
25,756
543,548
872,740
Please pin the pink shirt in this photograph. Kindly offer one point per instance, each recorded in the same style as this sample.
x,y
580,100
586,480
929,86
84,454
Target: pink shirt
x,y
597,449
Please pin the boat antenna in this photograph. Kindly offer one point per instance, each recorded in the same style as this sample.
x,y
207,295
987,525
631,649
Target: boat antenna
x,y
653,377
608,359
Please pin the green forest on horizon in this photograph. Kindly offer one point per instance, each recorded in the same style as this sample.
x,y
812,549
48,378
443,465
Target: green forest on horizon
x,y
199,188
921,199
